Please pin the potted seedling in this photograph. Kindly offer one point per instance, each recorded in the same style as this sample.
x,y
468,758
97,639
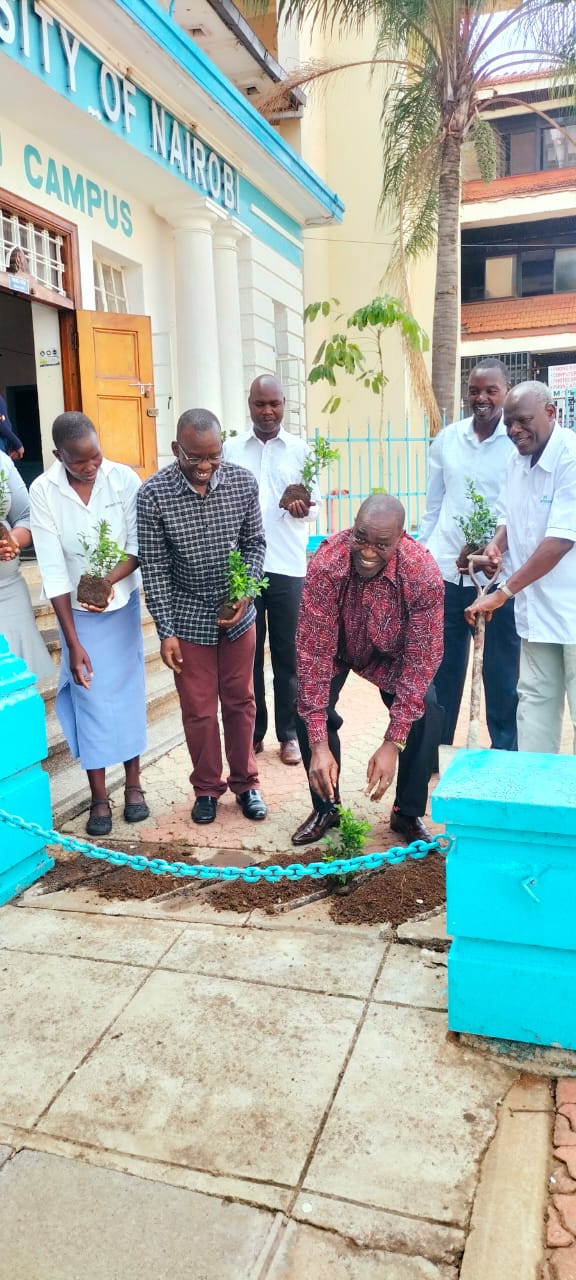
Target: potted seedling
x,y
318,458
478,527
241,585
349,843
102,555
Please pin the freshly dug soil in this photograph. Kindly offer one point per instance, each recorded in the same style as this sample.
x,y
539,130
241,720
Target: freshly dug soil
x,y
294,493
238,895
93,590
120,882
395,893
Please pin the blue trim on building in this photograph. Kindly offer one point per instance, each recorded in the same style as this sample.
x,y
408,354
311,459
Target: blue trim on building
x,y
172,39
251,200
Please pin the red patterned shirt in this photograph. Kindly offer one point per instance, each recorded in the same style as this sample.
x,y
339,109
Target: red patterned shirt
x,y
387,629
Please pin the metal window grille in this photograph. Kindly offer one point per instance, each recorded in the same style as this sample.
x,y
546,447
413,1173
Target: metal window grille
x,y
110,287
43,249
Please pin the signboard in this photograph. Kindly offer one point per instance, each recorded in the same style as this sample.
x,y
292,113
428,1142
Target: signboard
x,y
19,284
562,377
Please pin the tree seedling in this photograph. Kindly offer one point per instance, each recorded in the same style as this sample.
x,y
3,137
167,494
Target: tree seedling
x,y
319,457
241,585
478,527
349,843
102,554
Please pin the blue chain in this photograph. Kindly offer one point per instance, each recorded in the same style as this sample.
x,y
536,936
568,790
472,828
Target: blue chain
x,y
183,870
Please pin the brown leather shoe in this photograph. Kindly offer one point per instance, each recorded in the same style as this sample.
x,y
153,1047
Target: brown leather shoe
x,y
410,828
258,747
290,752
316,826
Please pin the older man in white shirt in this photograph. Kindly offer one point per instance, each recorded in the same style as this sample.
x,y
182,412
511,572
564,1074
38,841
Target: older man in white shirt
x,y
538,529
476,449
276,457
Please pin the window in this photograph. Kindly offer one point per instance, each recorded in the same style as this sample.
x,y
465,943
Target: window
x,y
558,148
43,249
523,153
109,287
500,277
565,271
536,272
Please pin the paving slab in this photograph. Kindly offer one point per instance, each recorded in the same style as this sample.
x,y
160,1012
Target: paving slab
x,y
52,1010
86,901
414,976
304,1252
5,1153
284,958
226,1076
92,937
61,1219
411,1119
431,932
372,1228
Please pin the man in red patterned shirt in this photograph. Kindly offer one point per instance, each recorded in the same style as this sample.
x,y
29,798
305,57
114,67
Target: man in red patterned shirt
x,y
372,604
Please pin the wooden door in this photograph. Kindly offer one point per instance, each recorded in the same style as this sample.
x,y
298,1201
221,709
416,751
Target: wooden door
x,y
117,386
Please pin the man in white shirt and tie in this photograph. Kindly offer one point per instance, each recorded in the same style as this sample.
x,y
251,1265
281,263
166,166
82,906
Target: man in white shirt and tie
x,y
477,449
276,457
537,527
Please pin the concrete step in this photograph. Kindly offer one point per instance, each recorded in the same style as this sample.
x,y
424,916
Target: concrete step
x,y
69,788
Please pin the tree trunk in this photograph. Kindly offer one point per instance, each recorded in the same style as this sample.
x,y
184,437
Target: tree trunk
x,y
446,322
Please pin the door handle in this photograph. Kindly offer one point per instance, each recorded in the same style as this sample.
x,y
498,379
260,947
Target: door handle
x,y
152,413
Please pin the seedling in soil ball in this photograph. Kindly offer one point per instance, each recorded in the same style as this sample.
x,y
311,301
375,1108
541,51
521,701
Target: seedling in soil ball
x,y
349,843
102,555
478,527
241,585
319,457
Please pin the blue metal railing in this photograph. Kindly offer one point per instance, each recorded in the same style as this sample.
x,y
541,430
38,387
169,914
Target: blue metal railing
x,y
395,463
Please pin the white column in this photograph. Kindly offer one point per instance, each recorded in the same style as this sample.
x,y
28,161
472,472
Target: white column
x,y
196,314
234,412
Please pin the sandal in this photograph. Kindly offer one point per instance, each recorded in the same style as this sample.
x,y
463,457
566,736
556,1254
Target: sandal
x,y
138,810
99,826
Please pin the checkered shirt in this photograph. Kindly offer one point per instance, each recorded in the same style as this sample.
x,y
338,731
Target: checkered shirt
x,y
183,544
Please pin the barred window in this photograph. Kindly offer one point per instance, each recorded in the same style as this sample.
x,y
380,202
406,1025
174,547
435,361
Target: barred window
x,y
109,287
43,249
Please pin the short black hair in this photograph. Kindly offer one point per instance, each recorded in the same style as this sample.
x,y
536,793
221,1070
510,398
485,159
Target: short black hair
x,y
491,362
200,419
71,426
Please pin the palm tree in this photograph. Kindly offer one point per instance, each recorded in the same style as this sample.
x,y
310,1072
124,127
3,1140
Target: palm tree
x,y
441,58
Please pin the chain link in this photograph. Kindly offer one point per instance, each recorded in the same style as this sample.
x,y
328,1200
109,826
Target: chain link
x,y
250,875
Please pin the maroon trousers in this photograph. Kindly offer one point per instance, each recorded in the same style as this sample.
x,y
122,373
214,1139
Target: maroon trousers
x,y
209,672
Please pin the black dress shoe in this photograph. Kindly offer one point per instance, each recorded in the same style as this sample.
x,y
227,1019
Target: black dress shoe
x,y
204,809
316,826
252,805
410,828
258,747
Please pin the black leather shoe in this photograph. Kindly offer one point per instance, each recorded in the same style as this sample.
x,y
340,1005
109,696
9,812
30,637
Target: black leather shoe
x,y
258,747
410,828
316,826
204,809
252,805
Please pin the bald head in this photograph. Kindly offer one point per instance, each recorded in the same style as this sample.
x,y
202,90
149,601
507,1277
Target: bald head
x,y
382,506
529,418
266,404
378,528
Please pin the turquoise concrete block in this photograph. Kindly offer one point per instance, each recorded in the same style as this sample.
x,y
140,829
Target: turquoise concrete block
x,y
513,893
508,791
24,787
512,992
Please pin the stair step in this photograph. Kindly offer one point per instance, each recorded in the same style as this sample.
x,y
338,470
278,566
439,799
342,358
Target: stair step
x,y
69,788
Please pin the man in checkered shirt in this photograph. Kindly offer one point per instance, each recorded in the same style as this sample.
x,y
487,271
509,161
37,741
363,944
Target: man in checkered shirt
x,y
190,516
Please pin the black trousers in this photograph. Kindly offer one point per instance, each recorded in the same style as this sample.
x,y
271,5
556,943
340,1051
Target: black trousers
x,y
499,669
417,761
277,608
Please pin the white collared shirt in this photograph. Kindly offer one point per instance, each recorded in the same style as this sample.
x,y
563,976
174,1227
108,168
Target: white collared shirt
x,y
276,464
540,502
58,517
456,455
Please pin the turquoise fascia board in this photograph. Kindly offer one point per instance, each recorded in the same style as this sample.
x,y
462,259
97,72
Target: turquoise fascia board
x,y
251,202
508,791
172,39
512,992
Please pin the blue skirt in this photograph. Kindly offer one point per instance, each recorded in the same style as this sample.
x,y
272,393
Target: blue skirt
x,y
106,724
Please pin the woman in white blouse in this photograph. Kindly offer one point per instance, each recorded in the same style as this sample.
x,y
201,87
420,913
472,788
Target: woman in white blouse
x,y
101,701
16,614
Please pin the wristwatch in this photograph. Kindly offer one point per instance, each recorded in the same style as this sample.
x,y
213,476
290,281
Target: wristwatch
x,y
400,745
503,586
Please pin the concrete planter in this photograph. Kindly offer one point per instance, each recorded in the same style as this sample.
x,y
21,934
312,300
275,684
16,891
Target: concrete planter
x,y
24,787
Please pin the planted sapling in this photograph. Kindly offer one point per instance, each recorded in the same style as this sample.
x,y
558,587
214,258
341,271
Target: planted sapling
x,y
349,843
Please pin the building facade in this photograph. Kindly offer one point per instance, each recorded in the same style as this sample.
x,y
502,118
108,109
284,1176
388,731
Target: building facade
x,y
151,228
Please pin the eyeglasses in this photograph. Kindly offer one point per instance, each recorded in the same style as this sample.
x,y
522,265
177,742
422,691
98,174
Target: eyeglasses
x,y
194,461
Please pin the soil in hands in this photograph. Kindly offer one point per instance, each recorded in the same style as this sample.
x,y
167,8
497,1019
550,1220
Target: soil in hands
x,y
294,493
93,590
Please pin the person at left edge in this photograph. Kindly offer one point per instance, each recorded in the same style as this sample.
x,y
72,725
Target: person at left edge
x,y
101,698
9,442
190,516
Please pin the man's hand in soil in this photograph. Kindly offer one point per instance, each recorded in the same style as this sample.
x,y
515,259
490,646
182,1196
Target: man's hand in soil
x,y
381,770
80,666
96,608
323,773
171,653
299,509
239,610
